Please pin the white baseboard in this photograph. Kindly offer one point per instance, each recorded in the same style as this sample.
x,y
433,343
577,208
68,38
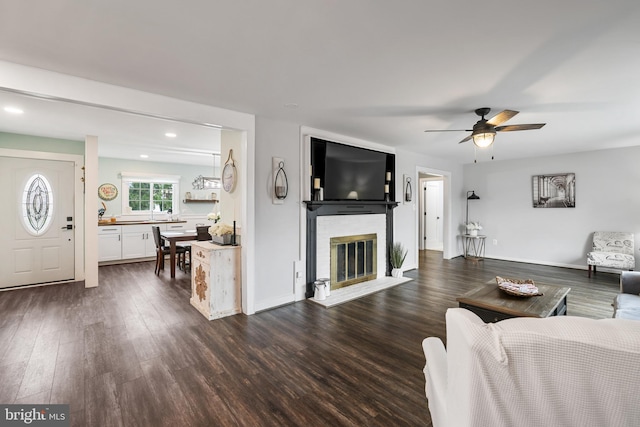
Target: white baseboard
x,y
408,267
533,261
274,302
556,264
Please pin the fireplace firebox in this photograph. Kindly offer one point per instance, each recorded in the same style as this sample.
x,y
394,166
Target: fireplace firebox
x,y
353,259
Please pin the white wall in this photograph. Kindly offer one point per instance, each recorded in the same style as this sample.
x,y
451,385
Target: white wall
x,y
606,199
109,170
279,229
277,226
38,143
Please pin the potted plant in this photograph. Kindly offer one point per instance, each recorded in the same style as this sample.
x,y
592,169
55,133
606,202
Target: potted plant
x,y
397,255
472,228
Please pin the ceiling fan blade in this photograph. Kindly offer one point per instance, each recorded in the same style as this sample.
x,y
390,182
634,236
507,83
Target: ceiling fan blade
x,y
465,140
448,130
510,128
501,117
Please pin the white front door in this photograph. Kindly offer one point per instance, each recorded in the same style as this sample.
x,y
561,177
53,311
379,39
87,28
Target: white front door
x,y
433,215
36,221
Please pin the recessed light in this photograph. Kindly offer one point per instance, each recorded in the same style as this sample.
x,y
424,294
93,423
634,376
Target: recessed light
x,y
144,156
13,110
170,135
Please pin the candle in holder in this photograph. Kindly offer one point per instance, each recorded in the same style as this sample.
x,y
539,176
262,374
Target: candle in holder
x,y
316,183
386,188
388,176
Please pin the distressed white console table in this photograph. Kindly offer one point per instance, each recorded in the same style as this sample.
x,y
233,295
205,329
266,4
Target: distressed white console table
x,y
216,279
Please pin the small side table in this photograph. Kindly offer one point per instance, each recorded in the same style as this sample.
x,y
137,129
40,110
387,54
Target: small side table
x,y
474,246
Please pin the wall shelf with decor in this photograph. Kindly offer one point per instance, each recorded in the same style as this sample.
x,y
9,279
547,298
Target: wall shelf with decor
x,y
200,201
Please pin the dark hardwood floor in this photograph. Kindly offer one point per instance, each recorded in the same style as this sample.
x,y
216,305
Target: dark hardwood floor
x,y
134,352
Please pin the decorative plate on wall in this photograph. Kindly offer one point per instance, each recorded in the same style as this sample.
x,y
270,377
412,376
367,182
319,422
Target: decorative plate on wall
x,y
107,192
229,174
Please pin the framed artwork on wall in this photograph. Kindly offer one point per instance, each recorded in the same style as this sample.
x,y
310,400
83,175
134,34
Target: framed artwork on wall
x,y
554,190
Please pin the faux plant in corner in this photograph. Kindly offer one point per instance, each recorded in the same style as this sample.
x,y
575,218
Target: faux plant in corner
x,y
397,255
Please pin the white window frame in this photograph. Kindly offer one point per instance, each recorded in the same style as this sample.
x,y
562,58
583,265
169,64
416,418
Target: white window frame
x,y
151,178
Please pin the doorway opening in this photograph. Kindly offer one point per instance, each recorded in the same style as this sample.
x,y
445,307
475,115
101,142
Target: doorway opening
x,y
431,212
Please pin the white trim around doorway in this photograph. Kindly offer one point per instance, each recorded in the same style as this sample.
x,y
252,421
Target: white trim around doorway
x,y
447,235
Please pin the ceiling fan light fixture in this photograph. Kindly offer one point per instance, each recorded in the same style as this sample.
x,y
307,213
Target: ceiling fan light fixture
x,y
483,139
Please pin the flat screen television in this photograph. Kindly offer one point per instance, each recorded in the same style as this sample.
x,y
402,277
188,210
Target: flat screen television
x,y
351,173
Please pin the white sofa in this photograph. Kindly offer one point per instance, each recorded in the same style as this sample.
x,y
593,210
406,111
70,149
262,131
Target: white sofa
x,y
559,371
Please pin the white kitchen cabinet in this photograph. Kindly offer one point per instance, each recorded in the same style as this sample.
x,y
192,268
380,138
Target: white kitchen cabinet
x,y
177,227
138,242
216,279
189,223
109,243
126,242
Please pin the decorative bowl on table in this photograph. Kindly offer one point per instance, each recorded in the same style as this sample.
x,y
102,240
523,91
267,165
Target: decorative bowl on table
x,y
517,287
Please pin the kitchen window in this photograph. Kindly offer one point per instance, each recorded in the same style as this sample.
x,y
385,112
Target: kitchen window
x,y
144,193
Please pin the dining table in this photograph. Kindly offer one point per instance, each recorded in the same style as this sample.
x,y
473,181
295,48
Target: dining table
x,y
176,236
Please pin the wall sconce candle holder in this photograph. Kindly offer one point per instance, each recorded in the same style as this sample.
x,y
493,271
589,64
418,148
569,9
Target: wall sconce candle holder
x,y
280,181
408,189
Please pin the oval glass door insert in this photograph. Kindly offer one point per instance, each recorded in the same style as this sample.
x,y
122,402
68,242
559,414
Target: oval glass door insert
x,y
37,205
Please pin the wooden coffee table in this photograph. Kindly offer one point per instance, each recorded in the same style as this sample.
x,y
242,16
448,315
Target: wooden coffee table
x,y
492,305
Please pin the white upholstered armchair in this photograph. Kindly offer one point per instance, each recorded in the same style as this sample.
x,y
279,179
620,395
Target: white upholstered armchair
x,y
613,250
564,371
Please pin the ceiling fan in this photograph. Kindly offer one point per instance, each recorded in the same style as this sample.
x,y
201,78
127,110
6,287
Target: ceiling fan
x,y
484,131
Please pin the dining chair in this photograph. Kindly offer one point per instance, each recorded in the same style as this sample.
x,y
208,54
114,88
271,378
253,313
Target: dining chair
x,y
162,250
182,260
202,232
202,235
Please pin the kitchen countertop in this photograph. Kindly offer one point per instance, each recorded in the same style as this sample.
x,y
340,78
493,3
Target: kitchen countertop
x,y
138,222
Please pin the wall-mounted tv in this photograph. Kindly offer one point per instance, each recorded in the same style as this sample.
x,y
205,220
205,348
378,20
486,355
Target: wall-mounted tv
x,y
351,173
